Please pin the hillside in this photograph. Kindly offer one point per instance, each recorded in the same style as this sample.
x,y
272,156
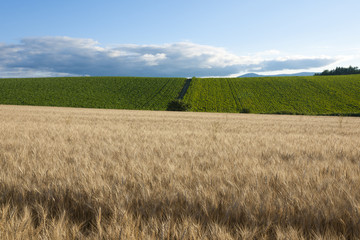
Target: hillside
x,y
293,95
92,92
300,74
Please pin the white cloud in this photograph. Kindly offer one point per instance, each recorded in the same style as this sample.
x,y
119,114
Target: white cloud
x,y
25,72
153,59
62,56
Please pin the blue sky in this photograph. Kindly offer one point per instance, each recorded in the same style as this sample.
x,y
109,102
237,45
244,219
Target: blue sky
x,y
176,37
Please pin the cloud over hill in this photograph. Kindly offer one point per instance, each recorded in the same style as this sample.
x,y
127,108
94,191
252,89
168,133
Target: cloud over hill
x,y
65,56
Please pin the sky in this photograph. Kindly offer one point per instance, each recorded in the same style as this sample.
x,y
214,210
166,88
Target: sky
x,y
176,38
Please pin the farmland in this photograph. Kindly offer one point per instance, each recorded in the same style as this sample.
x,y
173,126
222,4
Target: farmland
x,y
69,173
321,95
92,92
292,95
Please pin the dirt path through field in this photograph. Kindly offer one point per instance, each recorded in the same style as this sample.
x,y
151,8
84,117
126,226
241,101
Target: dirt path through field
x,y
185,88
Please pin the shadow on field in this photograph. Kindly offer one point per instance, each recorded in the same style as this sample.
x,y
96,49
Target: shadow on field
x,y
46,204
234,216
84,208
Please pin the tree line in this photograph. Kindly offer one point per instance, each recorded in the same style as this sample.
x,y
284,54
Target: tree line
x,y
340,71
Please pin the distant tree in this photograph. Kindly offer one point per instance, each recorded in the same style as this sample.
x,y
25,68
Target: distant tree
x,y
178,105
340,71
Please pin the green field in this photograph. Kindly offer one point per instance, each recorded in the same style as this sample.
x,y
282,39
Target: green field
x,y
292,95
92,92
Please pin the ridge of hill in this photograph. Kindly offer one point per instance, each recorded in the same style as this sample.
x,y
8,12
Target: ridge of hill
x,y
300,74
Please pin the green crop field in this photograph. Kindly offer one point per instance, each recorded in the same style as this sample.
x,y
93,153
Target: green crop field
x,y
92,92
293,95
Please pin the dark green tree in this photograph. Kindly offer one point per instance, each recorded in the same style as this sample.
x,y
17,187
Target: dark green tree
x,y
340,71
178,105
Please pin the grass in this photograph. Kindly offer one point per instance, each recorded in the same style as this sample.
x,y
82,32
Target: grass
x,y
320,95
92,92
68,173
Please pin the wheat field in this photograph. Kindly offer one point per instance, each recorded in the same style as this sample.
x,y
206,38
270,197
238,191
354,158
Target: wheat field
x,y
69,173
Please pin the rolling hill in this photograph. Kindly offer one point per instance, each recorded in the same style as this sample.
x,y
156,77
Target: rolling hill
x,y
300,74
314,95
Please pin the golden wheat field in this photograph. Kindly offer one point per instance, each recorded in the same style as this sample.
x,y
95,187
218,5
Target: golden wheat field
x,y
69,173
